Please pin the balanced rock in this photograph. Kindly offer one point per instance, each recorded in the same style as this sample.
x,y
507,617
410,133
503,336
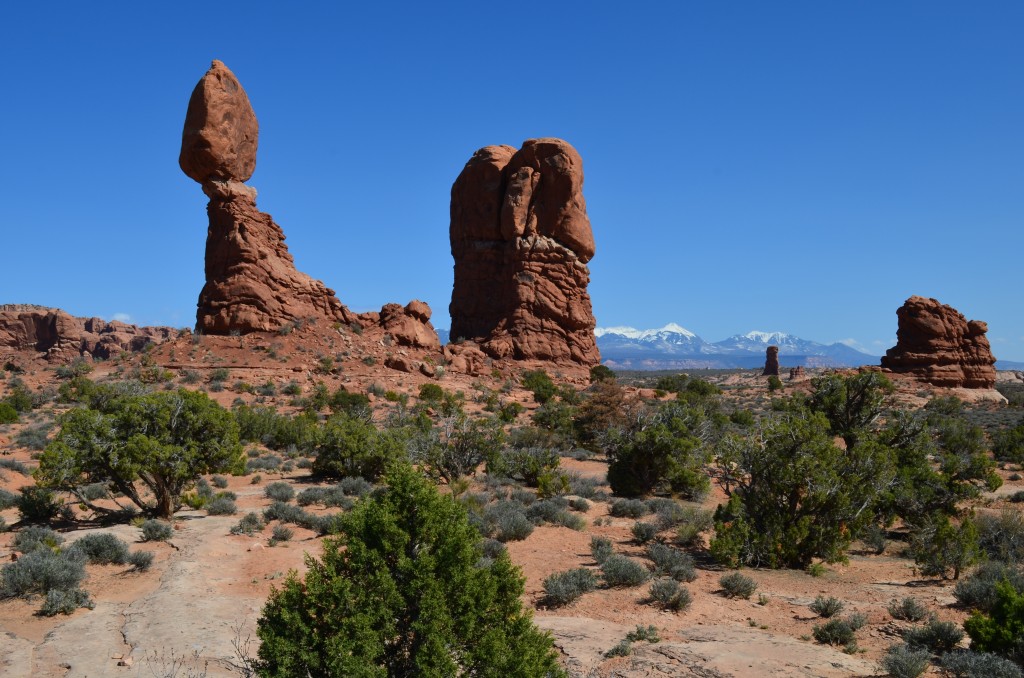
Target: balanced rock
x,y
521,240
936,344
771,362
251,280
61,336
221,131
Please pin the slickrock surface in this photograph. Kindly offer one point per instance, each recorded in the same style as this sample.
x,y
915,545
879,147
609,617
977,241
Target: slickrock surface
x,y
62,336
771,361
521,241
251,280
935,343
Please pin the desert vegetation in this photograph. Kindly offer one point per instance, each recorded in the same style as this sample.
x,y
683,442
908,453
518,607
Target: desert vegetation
x,y
687,497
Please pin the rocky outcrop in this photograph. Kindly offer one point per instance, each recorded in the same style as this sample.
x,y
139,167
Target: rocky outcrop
x,y
771,362
61,336
521,240
937,344
796,373
409,326
251,280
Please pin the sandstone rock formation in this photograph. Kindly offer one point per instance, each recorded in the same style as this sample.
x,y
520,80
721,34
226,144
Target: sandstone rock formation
x,y
771,362
937,344
521,241
796,373
62,336
251,280
410,326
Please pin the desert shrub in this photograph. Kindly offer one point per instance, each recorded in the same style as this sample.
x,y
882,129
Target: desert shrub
x,y
600,548
458,445
7,500
281,533
353,447
102,548
525,464
619,570
834,632
941,548
583,486
691,523
907,609
791,489
553,511
644,532
141,560
874,537
628,508
222,506
826,607
1001,630
1001,536
900,661
355,486
623,649
431,393
325,496
737,585
352,404
971,664
38,504
645,633
14,465
670,595
41,571
581,505
601,373
935,636
33,437
8,415
672,562
279,491
32,537
540,385
268,462
1008,444
65,601
250,524
94,491
978,589
219,482
1017,497
562,588
156,530
659,452
372,605
506,521
162,441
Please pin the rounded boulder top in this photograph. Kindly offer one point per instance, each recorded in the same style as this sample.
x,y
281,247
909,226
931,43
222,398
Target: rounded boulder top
x,y
221,133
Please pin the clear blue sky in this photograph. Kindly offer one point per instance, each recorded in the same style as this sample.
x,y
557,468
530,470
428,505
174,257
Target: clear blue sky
x,y
796,166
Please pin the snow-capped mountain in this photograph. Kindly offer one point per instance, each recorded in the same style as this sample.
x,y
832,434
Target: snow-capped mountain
x,y
674,346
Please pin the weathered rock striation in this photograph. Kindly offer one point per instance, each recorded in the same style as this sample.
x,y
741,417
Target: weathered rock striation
x,y
937,344
796,373
61,336
251,280
771,362
521,240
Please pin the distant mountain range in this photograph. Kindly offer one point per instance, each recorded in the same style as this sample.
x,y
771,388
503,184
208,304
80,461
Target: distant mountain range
x,y
673,346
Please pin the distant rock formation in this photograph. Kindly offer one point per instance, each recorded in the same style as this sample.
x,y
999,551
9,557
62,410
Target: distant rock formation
x,y
771,362
61,336
796,373
521,240
410,326
251,280
937,344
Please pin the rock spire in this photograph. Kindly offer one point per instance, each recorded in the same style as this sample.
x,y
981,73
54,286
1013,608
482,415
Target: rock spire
x,y
521,240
